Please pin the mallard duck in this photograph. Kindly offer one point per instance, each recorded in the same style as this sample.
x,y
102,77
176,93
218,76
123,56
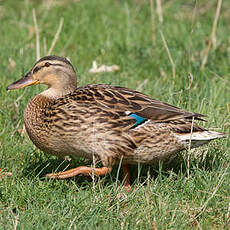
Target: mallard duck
x,y
109,124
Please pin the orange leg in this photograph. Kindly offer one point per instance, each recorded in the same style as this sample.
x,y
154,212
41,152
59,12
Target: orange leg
x,y
126,177
80,170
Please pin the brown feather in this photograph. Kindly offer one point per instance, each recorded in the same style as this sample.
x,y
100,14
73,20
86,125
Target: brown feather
x,y
120,100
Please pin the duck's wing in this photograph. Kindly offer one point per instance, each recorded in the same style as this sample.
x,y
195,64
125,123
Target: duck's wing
x,y
140,103
120,103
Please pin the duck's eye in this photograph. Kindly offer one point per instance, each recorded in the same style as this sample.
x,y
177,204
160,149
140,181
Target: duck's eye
x,y
47,64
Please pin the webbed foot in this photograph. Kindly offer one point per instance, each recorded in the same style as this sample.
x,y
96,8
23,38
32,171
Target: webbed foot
x,y
84,170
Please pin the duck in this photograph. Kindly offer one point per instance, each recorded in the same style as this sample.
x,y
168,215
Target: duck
x,y
106,124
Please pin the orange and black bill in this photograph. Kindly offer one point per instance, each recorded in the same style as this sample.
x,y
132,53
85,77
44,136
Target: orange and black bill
x,y
27,80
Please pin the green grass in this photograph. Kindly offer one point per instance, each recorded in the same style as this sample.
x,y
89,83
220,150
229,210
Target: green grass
x,y
118,32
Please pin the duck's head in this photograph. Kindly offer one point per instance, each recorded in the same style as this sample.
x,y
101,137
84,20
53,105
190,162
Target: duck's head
x,y
55,72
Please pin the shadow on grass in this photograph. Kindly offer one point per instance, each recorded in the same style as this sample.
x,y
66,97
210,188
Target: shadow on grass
x,y
139,172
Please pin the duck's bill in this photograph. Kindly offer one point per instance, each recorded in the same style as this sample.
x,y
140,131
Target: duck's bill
x,y
27,80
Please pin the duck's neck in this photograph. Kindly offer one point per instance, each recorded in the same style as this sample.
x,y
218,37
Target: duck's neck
x,y
55,93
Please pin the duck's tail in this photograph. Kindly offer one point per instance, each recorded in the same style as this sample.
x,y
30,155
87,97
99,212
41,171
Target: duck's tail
x,y
199,138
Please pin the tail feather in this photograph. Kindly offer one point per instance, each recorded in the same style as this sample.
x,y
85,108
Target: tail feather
x,y
199,138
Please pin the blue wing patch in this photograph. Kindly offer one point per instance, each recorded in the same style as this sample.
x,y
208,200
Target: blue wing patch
x,y
139,120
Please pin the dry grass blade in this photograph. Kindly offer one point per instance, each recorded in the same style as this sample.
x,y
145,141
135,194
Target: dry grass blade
x,y
141,86
169,55
37,35
72,222
56,36
152,19
228,212
190,78
212,40
15,222
159,11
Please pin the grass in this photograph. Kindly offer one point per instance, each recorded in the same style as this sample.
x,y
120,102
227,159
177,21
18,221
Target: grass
x,y
122,33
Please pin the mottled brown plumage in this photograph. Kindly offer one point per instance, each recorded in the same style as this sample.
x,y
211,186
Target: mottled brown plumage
x,y
106,122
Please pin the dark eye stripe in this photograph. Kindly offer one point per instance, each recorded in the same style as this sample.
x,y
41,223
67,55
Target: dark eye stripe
x,y
37,68
47,64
